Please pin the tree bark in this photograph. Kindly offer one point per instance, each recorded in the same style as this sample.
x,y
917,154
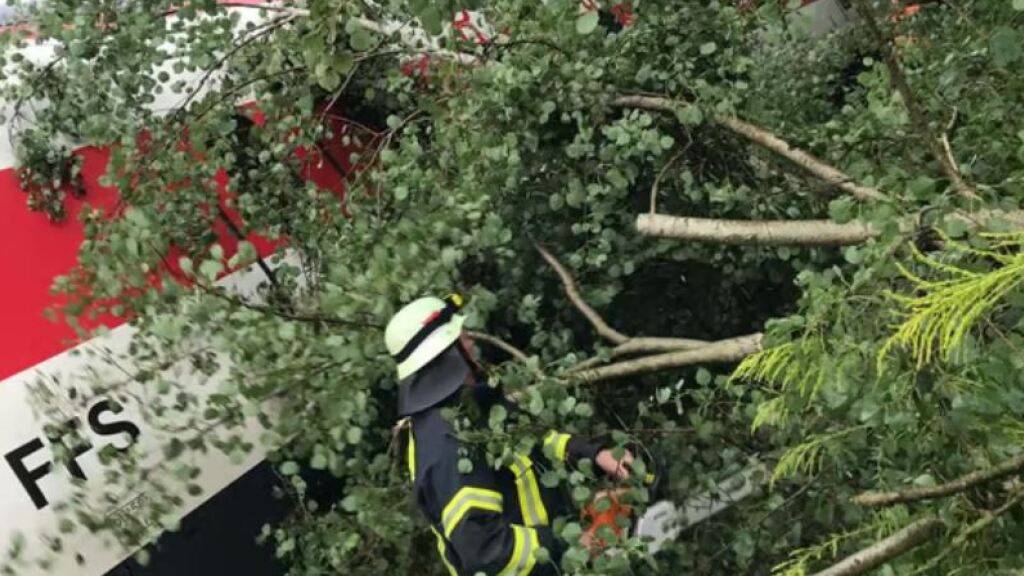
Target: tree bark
x,y
640,345
962,483
766,140
803,159
723,351
754,232
885,550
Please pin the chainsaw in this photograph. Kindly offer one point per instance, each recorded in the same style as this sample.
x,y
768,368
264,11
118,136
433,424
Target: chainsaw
x,y
664,520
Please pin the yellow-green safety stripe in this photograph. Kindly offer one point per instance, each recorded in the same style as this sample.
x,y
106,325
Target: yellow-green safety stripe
x,y
524,552
466,499
410,455
530,502
555,443
441,551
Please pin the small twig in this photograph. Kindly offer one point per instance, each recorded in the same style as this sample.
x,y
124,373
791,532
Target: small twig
x,y
271,311
661,174
987,518
1012,466
512,351
240,236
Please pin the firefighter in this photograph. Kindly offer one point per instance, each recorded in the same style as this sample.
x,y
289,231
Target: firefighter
x,y
485,520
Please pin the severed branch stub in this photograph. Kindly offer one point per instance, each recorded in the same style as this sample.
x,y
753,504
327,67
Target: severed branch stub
x,y
876,499
755,232
885,550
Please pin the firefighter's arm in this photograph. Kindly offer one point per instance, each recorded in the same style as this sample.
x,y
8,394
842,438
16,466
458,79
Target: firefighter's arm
x,y
571,449
485,541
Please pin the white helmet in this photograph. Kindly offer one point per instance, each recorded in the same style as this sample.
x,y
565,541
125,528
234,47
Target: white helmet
x,y
422,330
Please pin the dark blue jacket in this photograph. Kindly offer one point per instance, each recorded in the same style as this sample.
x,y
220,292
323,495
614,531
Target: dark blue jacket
x,y
488,521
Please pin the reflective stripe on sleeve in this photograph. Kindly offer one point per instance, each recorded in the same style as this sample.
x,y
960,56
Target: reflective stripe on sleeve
x,y
530,502
441,550
524,552
465,500
555,443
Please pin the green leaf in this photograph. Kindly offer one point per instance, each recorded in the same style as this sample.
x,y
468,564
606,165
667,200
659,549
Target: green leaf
x,y
703,377
354,435
1005,46
580,493
432,20
587,22
318,462
708,48
1018,5
497,416
361,40
689,115
289,468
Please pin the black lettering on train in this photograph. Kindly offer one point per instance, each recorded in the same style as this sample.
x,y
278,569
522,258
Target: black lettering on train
x,y
102,420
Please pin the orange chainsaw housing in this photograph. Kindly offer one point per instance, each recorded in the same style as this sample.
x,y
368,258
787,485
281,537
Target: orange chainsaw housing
x,y
594,519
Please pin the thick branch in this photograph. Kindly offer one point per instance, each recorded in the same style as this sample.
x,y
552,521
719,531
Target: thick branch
x,y
1012,466
573,293
766,140
885,550
917,117
639,345
723,351
753,232
795,232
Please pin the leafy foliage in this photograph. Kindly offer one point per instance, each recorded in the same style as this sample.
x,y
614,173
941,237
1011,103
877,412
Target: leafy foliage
x,y
470,152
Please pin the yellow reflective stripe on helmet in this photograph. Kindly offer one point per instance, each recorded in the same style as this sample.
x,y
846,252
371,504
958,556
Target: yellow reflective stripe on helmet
x,y
441,550
465,500
524,552
530,503
410,455
555,443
